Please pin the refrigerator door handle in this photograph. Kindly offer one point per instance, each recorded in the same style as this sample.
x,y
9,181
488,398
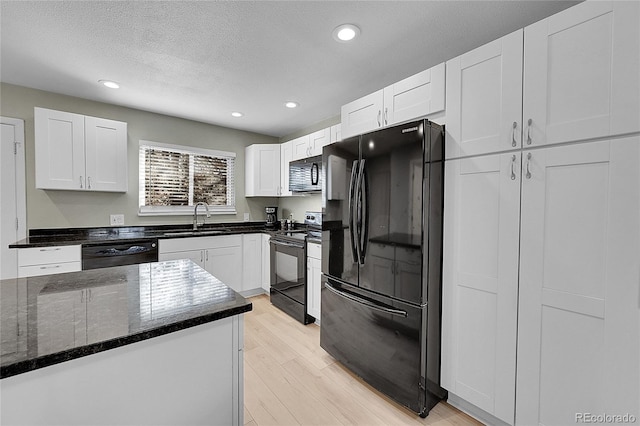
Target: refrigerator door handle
x,y
352,227
367,303
363,191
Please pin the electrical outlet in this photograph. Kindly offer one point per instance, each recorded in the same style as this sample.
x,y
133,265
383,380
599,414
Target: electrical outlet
x,y
246,217
117,219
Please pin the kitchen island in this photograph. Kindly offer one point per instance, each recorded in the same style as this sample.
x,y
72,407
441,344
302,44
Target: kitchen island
x,y
156,343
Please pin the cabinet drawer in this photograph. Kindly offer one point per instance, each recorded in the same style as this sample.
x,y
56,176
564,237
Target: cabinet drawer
x,y
47,255
50,268
314,250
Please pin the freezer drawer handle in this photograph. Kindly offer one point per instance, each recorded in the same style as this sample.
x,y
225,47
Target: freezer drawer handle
x,y
367,303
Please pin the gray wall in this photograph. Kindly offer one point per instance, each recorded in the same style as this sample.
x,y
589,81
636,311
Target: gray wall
x,y
53,209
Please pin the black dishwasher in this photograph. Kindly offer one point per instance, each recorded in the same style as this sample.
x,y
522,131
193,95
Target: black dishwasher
x,y
131,252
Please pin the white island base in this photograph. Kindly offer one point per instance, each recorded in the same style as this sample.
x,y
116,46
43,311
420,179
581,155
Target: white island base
x,y
192,376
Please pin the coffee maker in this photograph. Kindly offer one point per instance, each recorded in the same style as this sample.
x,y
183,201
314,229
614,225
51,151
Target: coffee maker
x,y
272,216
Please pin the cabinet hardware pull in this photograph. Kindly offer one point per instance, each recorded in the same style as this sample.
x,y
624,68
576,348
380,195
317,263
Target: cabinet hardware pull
x,y
529,131
386,116
50,267
89,182
528,163
82,296
513,134
379,115
89,295
81,182
50,249
201,257
513,165
206,255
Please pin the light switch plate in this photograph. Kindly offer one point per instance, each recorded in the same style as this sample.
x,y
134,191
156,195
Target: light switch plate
x,y
246,217
117,219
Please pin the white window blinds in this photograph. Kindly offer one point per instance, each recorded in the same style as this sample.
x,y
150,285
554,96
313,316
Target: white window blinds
x,y
172,179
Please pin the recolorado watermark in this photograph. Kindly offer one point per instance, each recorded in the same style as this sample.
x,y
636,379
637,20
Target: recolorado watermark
x,y
605,418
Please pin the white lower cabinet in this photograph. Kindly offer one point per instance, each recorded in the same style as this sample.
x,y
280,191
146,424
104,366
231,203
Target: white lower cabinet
x,y
546,278
480,281
222,256
578,335
36,261
266,263
314,282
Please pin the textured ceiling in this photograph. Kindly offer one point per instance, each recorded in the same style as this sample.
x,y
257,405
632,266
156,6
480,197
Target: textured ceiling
x,y
201,60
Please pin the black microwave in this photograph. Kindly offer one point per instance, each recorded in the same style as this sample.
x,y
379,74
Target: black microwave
x,y
306,175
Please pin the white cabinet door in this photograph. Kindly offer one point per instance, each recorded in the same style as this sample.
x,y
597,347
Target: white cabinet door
x,y
106,154
415,96
314,279
226,265
300,148
59,150
79,153
581,73
317,140
252,262
266,262
484,98
262,170
362,115
480,281
286,156
578,336
336,133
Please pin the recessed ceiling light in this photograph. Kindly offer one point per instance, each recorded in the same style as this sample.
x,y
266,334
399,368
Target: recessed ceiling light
x,y
110,84
345,32
291,104
237,114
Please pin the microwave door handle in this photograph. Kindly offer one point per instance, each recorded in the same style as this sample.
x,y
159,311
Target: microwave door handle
x,y
352,227
314,166
364,206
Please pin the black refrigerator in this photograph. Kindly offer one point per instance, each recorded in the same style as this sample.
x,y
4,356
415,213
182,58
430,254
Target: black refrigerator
x,y
382,259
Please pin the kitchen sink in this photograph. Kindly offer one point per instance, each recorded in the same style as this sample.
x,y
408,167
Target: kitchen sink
x,y
193,233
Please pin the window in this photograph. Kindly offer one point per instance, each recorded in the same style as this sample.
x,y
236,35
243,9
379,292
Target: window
x,y
174,178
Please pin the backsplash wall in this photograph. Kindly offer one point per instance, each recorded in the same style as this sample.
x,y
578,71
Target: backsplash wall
x,y
61,209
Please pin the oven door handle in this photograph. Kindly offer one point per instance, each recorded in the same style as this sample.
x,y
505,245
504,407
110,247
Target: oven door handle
x,y
367,303
352,225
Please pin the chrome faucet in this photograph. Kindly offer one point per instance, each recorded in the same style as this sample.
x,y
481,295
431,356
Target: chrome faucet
x,y
195,214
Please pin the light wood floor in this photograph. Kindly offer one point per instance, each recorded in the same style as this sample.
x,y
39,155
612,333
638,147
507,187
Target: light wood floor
x,y
291,380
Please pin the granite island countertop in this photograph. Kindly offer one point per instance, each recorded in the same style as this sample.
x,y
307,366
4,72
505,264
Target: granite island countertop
x,y
51,319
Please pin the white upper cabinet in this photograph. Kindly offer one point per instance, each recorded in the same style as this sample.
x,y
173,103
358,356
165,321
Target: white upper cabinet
x,y
105,154
262,170
335,133
362,115
317,140
582,74
310,145
484,98
300,148
286,156
79,153
416,96
580,81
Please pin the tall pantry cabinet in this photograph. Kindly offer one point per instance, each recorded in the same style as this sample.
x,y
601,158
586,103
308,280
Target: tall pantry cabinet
x,y
541,303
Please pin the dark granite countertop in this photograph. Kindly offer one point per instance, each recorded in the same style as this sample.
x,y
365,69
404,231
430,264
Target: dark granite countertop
x,y
105,235
55,318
